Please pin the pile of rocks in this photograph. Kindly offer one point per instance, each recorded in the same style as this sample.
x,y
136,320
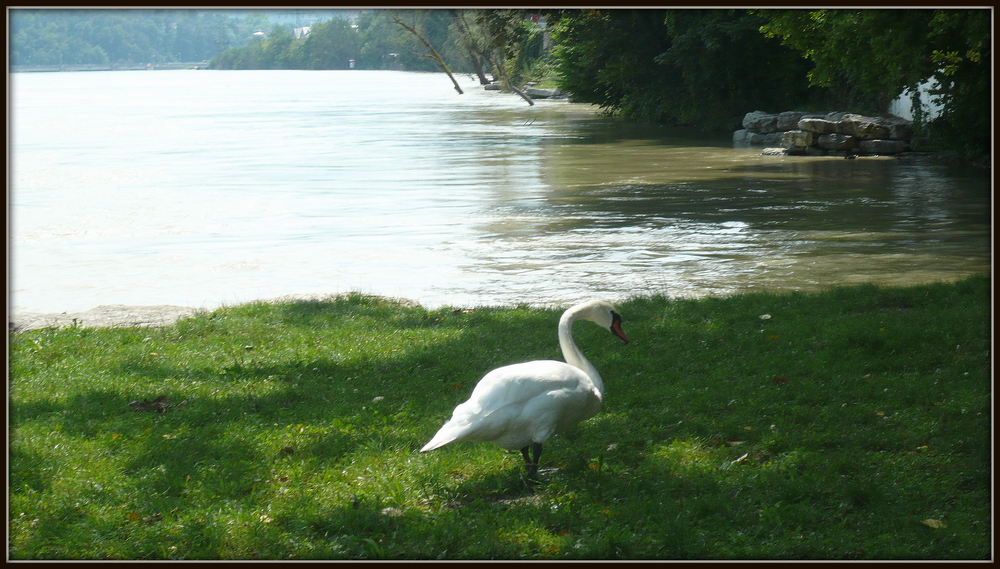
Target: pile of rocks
x,y
836,134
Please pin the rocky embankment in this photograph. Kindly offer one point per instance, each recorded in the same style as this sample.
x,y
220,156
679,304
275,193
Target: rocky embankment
x,y
833,134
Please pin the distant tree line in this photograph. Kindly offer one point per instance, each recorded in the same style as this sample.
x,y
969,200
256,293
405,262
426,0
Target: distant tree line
x,y
679,66
75,37
470,41
372,42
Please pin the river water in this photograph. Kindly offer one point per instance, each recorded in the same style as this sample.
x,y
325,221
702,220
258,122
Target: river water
x,y
207,188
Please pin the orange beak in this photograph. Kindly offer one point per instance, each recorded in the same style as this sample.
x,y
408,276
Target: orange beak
x,y
616,329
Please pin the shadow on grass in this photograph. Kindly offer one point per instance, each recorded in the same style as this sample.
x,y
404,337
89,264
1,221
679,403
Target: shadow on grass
x,y
676,463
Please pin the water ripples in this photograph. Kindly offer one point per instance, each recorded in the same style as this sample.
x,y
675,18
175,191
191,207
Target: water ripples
x,y
203,188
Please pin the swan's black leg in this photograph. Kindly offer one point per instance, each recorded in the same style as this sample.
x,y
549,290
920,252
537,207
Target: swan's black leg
x,y
532,465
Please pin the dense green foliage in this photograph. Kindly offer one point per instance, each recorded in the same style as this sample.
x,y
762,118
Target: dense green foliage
x,y
70,37
704,67
871,56
851,424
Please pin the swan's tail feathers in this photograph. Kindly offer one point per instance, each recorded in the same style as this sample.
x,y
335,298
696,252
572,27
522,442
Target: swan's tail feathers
x,y
440,439
448,433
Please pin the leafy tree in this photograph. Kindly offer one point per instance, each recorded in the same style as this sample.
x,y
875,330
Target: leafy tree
x,y
474,41
491,39
330,45
728,68
433,52
961,45
276,48
705,67
871,56
434,26
866,56
381,43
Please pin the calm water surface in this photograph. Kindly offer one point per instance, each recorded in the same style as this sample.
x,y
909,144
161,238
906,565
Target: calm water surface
x,y
204,188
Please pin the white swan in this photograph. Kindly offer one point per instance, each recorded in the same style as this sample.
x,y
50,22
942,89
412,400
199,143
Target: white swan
x,y
521,405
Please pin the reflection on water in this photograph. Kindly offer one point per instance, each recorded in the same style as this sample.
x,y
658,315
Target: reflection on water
x,y
692,217
201,188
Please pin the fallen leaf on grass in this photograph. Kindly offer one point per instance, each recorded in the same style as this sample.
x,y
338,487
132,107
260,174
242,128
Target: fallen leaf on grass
x,y
936,524
780,379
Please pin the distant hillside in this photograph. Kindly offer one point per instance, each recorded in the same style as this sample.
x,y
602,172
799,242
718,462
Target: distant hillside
x,y
127,37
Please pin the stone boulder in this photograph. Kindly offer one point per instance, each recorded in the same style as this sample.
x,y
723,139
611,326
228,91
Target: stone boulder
x,y
769,139
804,151
802,138
789,120
744,137
536,93
860,126
819,125
760,122
741,137
899,128
878,146
836,141
801,133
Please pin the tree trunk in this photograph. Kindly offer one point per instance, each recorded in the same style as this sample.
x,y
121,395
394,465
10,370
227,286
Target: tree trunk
x,y
505,81
434,54
477,64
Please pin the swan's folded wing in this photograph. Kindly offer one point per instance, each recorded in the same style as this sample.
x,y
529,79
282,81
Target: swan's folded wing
x,y
519,383
502,395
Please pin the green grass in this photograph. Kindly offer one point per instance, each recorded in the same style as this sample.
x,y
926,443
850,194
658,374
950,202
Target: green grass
x,y
831,430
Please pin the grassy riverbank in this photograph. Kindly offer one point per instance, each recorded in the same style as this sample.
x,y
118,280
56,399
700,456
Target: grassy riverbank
x,y
852,424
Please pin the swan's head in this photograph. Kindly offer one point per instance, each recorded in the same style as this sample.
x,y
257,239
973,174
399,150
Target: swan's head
x,y
602,314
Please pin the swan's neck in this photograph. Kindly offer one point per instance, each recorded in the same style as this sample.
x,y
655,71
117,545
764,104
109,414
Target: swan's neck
x,y
572,354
